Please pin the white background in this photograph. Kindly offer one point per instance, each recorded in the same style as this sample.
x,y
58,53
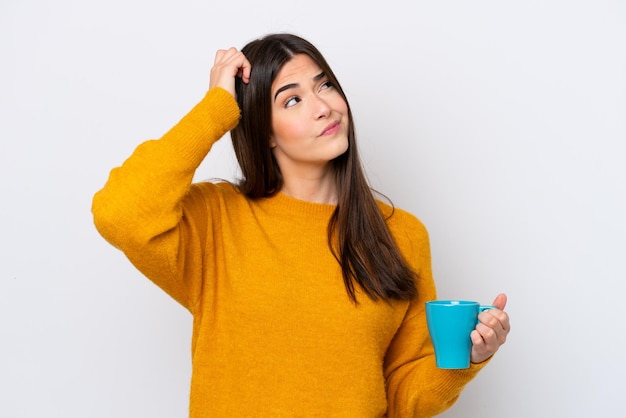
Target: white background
x,y
500,124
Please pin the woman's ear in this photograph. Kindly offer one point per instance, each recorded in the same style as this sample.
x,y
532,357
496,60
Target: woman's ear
x,y
272,143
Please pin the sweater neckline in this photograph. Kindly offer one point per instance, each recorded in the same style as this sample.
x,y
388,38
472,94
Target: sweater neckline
x,y
290,206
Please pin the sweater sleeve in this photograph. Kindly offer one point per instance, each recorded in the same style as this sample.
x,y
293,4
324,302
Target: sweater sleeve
x,y
140,209
415,386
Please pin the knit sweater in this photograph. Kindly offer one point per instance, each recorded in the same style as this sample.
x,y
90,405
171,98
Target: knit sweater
x,y
274,331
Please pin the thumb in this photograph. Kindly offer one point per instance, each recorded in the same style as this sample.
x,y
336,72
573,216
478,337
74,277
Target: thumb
x,y
500,301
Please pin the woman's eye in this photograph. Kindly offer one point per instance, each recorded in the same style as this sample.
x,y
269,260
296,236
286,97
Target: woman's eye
x,y
291,101
326,85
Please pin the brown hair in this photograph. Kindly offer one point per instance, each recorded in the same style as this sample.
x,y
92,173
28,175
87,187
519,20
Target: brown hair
x,y
357,232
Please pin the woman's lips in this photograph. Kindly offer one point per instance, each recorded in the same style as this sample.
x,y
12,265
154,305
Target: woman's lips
x,y
331,129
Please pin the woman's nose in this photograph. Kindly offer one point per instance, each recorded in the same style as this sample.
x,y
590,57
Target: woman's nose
x,y
322,109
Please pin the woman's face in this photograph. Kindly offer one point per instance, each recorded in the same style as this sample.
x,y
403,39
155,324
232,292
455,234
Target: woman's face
x,y
309,117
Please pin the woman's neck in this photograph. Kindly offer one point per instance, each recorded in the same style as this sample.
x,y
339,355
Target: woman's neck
x,y
317,189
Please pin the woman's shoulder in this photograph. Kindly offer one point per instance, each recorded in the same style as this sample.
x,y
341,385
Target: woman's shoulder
x,y
396,215
217,189
215,194
403,225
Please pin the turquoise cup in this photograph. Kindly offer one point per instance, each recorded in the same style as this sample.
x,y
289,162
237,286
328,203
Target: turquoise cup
x,y
450,323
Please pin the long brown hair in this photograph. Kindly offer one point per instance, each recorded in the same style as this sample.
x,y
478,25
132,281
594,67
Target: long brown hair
x,y
357,232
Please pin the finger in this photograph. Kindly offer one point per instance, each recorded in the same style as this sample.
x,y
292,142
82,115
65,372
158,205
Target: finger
x,y
245,70
477,340
489,335
229,63
219,54
495,317
495,321
224,54
480,349
500,301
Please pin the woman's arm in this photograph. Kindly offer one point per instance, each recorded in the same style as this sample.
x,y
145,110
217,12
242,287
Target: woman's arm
x,y
139,210
415,386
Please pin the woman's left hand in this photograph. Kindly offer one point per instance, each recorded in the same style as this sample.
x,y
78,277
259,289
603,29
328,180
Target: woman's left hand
x,y
491,331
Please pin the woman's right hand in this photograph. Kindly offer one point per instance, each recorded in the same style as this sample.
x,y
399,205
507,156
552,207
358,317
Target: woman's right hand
x,y
229,63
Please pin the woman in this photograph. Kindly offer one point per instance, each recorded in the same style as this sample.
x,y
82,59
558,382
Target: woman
x,y
307,294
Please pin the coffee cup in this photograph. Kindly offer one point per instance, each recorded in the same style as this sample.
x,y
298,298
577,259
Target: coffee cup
x,y
450,323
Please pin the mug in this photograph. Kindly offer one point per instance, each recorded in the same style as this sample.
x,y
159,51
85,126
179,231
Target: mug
x,y
450,323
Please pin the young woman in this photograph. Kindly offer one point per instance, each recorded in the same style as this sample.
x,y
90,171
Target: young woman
x,y
307,293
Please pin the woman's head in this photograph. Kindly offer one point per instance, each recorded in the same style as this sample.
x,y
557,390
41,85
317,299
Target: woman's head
x,y
252,138
357,233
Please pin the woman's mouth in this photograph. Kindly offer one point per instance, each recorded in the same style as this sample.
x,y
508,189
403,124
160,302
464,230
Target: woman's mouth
x,y
331,129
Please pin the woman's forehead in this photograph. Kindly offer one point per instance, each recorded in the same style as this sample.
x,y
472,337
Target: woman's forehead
x,y
297,70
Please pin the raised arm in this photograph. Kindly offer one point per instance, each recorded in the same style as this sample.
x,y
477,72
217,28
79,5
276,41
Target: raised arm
x,y
140,208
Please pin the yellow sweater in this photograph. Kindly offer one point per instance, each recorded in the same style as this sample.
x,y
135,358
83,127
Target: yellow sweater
x,y
274,332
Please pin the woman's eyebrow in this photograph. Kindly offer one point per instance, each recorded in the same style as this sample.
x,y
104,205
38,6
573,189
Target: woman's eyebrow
x,y
319,76
294,85
285,87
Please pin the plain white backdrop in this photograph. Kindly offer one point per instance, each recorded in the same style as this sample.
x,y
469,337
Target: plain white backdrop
x,y
500,124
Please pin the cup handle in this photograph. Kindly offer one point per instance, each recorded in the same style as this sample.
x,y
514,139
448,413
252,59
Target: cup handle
x,y
483,308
